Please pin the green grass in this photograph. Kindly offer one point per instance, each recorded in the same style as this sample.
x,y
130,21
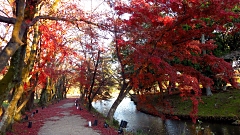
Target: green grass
x,y
219,106
222,104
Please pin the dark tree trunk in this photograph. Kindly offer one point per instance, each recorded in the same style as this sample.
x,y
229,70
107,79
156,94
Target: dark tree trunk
x,y
43,97
11,78
123,92
81,90
18,31
16,76
7,119
10,111
93,82
30,103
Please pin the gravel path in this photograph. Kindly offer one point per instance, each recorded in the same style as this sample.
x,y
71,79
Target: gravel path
x,y
68,124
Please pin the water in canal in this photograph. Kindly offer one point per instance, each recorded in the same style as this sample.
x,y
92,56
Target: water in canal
x,y
150,125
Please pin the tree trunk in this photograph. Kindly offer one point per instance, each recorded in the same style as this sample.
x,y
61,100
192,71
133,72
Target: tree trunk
x,y
123,92
11,78
15,74
36,94
93,81
124,86
30,101
43,97
9,114
89,104
2,111
64,88
30,57
83,94
81,91
59,88
208,91
19,77
17,33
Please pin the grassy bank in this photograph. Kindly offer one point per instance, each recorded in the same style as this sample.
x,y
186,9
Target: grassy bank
x,y
224,106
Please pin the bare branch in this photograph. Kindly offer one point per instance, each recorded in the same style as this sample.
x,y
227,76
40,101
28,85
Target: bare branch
x,y
60,19
8,20
4,13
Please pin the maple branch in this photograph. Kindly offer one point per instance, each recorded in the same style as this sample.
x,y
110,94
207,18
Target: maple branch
x,y
20,7
60,19
182,41
73,20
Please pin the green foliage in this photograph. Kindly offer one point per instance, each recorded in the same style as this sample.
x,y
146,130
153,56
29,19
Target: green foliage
x,y
186,27
114,123
5,104
236,8
208,21
205,4
226,43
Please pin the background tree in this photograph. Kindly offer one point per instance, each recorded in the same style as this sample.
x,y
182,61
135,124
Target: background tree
x,y
18,70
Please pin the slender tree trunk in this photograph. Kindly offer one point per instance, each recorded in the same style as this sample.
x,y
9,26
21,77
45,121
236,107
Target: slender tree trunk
x,y
123,92
30,101
161,92
64,84
208,91
93,81
124,86
36,94
65,88
81,91
60,88
43,99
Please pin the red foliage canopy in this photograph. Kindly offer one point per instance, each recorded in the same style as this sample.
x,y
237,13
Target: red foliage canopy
x,y
161,36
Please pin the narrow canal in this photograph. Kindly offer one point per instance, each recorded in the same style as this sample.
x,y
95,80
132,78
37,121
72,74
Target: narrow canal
x,y
139,122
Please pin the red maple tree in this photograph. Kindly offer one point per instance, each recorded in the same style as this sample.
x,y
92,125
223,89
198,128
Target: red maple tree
x,y
158,43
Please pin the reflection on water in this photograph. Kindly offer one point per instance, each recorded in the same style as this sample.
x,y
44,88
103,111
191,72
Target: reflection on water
x,y
138,121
